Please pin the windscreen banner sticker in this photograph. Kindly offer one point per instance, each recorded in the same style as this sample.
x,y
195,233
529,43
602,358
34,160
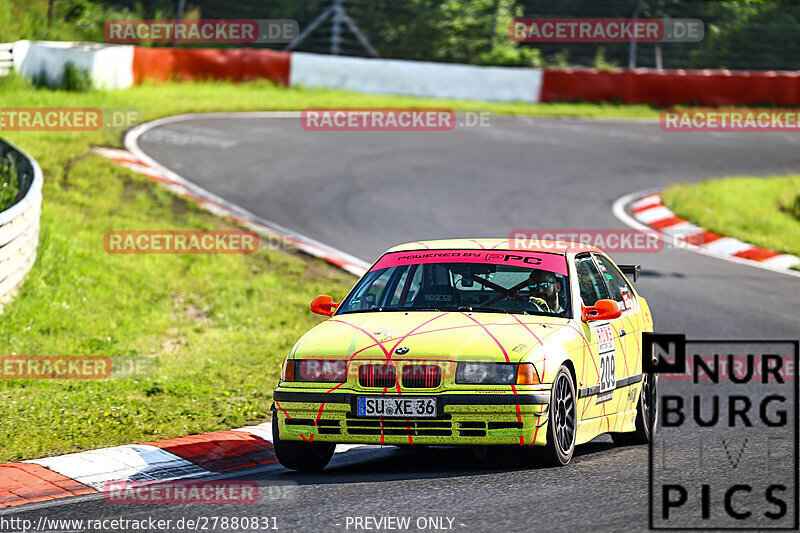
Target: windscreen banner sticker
x,y
555,263
626,298
608,362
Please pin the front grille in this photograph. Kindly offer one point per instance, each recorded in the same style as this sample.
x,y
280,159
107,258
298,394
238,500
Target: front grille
x,y
427,428
472,429
324,426
377,376
421,376
299,422
505,425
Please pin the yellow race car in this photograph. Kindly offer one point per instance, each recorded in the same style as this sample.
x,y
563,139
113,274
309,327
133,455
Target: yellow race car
x,y
471,342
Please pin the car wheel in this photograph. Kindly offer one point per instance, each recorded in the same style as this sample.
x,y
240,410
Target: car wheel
x,y
300,455
646,415
563,422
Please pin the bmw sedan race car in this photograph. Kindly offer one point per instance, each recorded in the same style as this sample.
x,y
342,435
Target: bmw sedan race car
x,y
467,342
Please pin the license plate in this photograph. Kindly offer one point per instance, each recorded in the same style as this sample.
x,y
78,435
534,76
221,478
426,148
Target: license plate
x,y
396,407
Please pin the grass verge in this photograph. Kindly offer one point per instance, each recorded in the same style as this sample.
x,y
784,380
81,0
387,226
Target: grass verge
x,y
201,336
764,211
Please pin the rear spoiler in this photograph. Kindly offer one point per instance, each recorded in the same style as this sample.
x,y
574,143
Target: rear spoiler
x,y
631,270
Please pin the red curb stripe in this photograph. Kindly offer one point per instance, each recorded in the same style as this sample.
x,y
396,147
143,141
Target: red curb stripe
x,y
667,222
22,483
709,237
221,450
647,206
756,254
699,239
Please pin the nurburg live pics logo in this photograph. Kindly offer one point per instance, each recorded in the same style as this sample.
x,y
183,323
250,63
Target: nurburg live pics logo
x,y
725,451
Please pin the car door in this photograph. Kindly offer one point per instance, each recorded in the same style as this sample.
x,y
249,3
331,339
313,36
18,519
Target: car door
x,y
629,324
597,388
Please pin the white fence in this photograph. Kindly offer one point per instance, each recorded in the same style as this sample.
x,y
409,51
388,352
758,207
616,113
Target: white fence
x,y
19,224
6,58
416,78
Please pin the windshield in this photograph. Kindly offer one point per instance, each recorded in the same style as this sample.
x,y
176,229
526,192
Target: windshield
x,y
464,280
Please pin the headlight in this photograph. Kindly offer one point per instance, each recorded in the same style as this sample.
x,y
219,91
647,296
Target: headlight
x,y
486,373
326,370
496,374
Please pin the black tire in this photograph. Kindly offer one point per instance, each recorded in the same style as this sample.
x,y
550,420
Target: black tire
x,y
299,455
646,415
563,422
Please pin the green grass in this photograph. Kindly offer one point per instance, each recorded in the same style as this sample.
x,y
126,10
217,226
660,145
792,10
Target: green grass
x,y
762,211
202,336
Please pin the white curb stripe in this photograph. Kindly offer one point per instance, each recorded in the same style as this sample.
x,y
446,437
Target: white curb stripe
x,y
138,462
654,214
728,246
653,199
265,432
782,261
682,230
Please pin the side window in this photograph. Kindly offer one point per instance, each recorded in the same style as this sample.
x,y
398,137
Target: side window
x,y
407,288
590,282
620,289
370,293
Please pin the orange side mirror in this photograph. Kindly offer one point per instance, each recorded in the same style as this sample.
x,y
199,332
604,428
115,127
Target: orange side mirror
x,y
601,310
324,305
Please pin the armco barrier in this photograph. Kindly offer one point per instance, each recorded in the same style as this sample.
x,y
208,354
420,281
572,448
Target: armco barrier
x,y
416,78
672,87
109,65
241,64
118,66
19,224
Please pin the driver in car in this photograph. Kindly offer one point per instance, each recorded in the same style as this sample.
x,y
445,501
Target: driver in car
x,y
544,286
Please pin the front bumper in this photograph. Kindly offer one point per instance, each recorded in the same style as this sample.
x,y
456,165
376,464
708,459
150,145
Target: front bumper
x,y
463,419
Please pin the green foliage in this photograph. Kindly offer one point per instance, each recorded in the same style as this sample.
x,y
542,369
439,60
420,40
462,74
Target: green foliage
x,y
789,200
508,56
73,79
9,183
601,63
560,59
71,20
766,34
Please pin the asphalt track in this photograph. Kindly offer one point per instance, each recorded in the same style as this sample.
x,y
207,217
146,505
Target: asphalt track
x,y
364,192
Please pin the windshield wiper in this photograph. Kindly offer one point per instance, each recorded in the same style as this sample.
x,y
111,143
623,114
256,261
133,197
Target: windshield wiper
x,y
480,309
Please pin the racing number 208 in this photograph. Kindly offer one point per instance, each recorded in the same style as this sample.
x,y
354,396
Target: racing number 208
x,y
608,367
